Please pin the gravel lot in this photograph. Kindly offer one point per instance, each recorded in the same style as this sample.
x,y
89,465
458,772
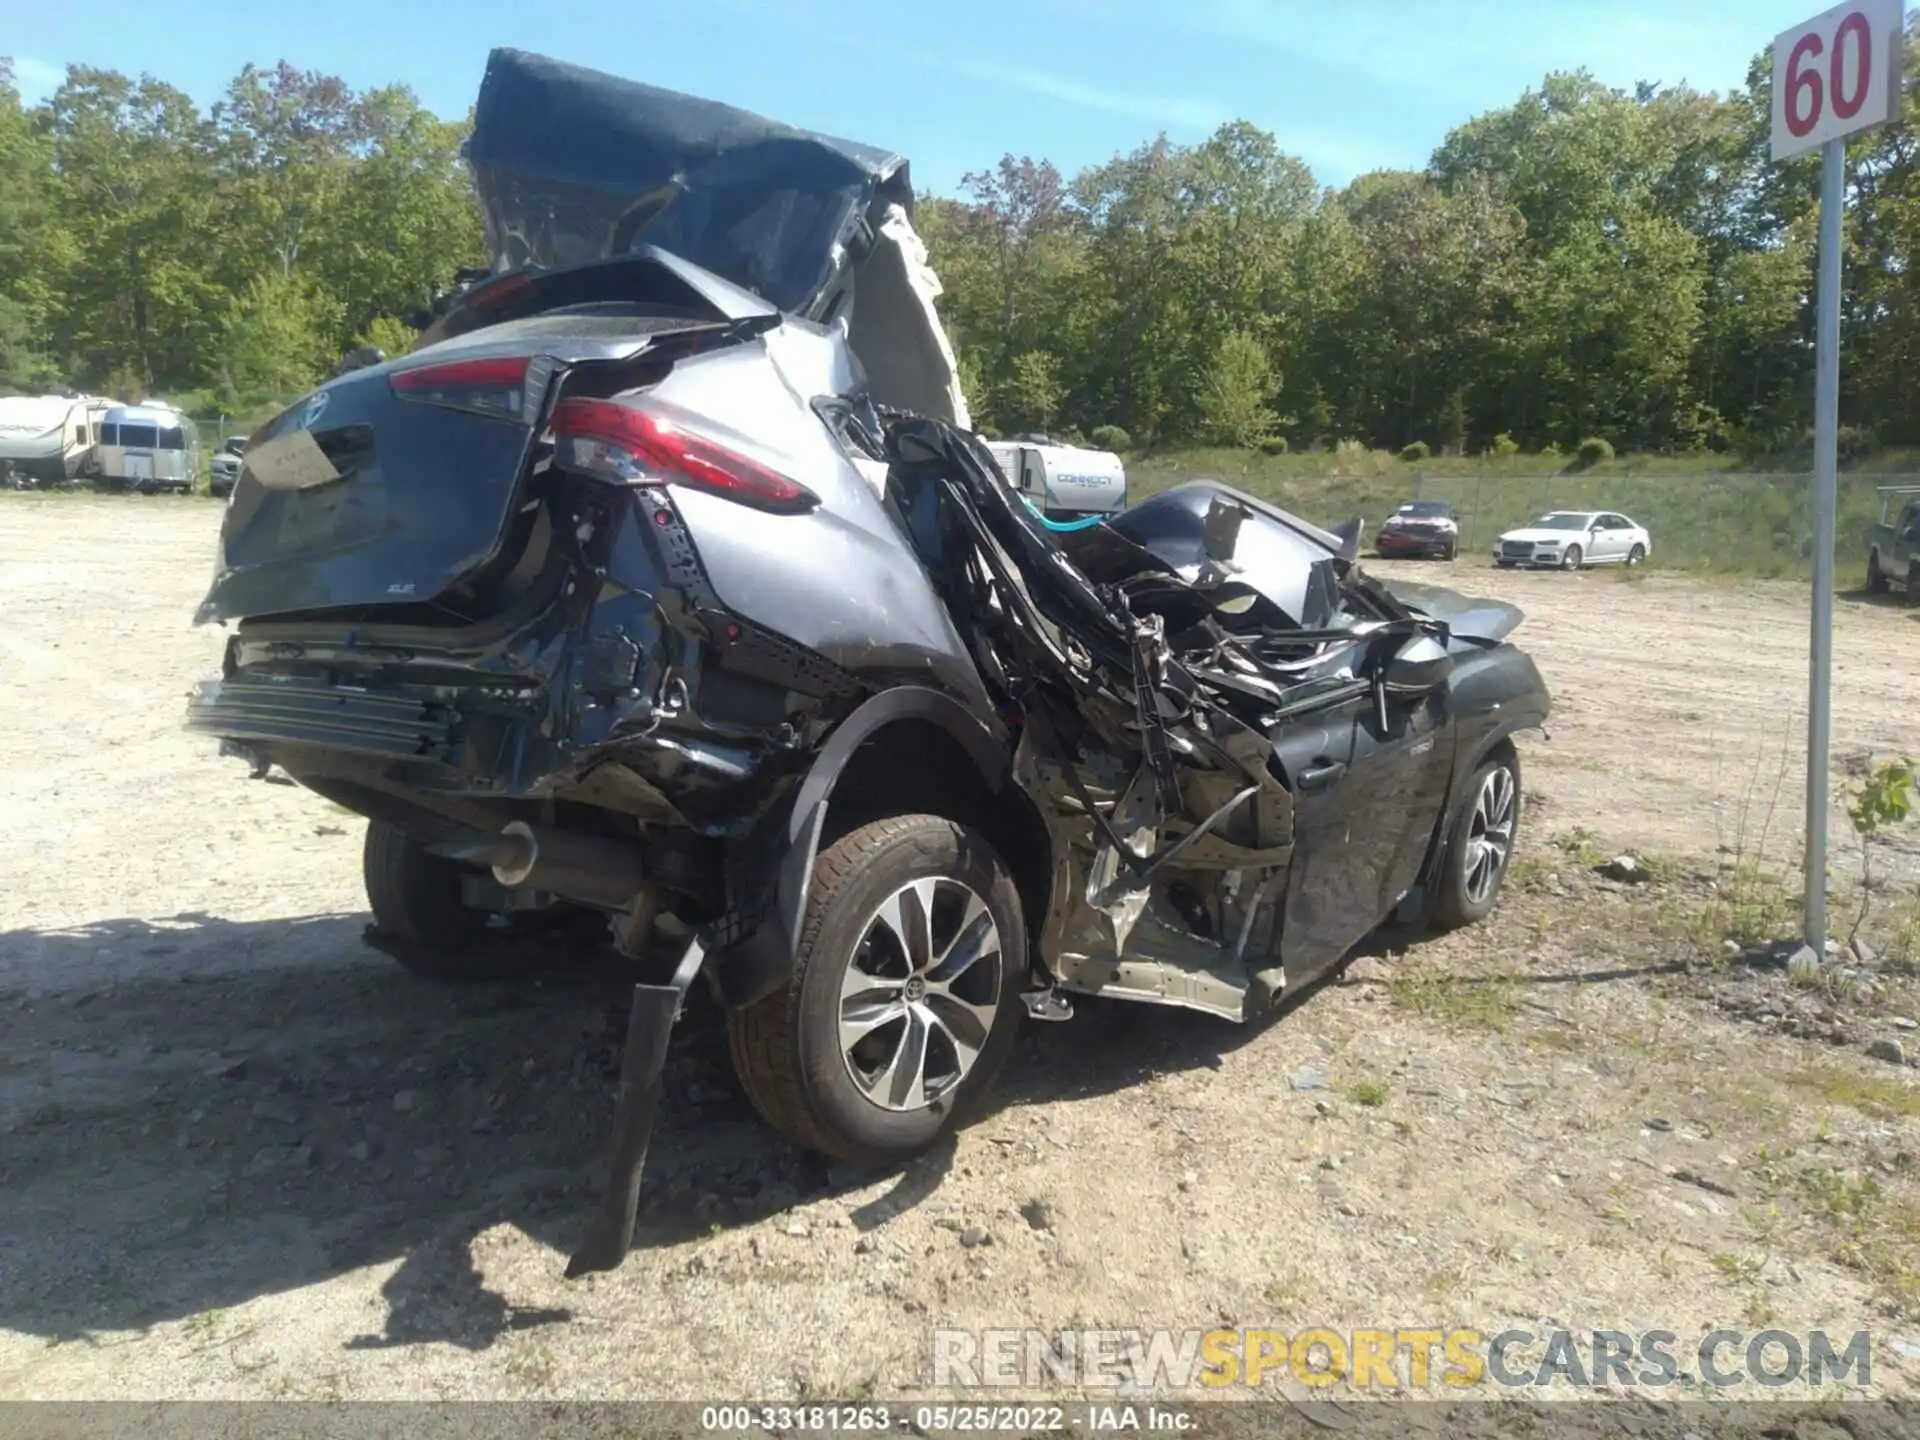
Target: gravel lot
x,y
243,1156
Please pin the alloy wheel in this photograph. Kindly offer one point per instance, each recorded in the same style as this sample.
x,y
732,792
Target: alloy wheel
x,y
1490,836
921,994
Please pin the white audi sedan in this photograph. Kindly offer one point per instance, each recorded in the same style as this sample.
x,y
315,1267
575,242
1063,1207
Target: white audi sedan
x,y
1570,539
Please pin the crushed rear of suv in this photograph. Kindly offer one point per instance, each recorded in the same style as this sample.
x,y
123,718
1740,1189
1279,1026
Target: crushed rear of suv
x,y
639,597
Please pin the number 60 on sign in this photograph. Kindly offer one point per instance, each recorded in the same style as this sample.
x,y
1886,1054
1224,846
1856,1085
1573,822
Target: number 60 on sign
x,y
1835,74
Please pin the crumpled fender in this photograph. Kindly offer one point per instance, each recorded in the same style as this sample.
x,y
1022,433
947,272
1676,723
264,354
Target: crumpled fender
x,y
789,834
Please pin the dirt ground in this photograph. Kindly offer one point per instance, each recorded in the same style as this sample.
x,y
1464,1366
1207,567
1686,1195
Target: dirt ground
x,y
242,1156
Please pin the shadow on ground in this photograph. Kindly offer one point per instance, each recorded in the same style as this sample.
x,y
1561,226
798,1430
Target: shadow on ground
x,y
254,1107
1882,600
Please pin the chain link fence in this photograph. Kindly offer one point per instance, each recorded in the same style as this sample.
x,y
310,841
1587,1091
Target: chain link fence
x,y
1751,522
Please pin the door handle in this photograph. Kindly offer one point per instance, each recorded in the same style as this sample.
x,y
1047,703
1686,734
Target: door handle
x,y
1320,774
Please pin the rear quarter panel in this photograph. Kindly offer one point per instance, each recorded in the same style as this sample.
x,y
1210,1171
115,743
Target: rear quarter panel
x,y
841,580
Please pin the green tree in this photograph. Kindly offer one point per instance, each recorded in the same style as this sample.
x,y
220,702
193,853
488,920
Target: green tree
x,y
280,340
1234,395
1030,397
1587,261
35,252
387,335
138,305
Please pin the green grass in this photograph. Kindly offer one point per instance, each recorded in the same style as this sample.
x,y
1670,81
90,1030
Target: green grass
x,y
1458,1001
1869,1094
1706,512
1371,1093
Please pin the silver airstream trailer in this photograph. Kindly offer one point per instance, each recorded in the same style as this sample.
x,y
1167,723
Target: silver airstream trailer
x,y
50,439
149,448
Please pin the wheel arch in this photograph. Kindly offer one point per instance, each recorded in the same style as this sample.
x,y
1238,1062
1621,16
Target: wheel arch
x,y
909,750
1496,741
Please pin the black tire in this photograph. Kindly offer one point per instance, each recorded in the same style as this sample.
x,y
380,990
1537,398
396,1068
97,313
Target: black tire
x,y
1636,555
416,902
1876,577
1573,558
1458,900
1453,551
786,1047
1913,581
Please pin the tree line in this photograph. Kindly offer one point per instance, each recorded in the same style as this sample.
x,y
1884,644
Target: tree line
x,y
226,258
1586,264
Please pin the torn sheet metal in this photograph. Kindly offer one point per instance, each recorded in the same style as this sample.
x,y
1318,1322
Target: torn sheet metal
x,y
572,165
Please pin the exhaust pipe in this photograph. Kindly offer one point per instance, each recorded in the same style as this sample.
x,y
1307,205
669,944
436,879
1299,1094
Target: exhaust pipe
x,y
590,869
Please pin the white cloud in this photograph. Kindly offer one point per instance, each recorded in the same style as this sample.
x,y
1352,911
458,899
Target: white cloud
x,y
36,79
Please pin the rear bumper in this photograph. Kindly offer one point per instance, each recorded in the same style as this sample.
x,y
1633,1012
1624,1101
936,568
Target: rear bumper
x,y
404,723
452,740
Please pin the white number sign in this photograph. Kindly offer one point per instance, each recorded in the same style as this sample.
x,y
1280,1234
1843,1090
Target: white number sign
x,y
1835,74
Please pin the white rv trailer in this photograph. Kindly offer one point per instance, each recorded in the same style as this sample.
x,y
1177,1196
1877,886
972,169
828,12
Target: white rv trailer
x,y
1066,482
51,439
149,448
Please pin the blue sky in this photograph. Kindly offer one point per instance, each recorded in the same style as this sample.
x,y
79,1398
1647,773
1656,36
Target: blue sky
x,y
1348,85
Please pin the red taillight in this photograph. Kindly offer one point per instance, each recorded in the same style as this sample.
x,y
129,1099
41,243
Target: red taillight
x,y
491,294
647,442
491,384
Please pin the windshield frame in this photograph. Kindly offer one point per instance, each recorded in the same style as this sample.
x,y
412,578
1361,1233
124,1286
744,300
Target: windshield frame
x,y
1571,520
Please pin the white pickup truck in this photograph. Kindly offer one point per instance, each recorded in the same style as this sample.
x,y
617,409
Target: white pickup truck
x,y
1063,482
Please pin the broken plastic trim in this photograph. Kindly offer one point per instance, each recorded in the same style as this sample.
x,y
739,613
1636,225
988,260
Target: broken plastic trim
x,y
649,1025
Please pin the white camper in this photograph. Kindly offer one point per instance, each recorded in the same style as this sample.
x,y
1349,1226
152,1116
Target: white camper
x,y
51,439
149,448
1063,482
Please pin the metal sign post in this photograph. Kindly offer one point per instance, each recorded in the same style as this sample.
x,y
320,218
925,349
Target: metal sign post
x,y
1826,446
1833,75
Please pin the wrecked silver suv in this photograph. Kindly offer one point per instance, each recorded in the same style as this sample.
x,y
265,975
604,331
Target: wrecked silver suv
x,y
664,583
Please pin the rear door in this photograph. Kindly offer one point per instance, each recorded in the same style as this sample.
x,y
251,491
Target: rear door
x,y
1619,537
1016,464
1033,476
138,439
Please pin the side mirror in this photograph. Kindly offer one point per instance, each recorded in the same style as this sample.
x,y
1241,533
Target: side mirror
x,y
1419,666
